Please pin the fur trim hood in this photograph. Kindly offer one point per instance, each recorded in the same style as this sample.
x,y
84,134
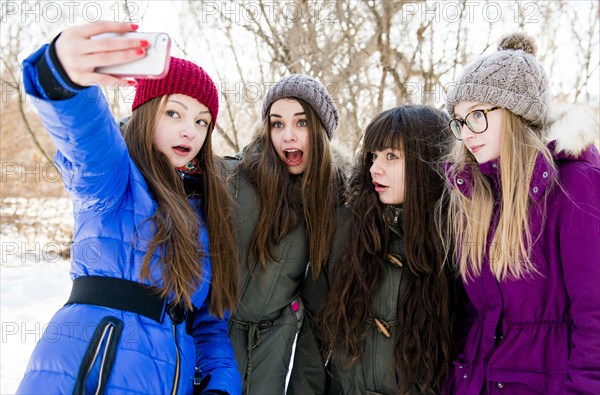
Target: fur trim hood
x,y
574,128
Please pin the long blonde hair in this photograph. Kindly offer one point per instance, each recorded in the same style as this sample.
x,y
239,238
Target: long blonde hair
x,y
470,217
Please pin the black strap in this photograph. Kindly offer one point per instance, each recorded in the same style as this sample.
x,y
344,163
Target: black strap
x,y
119,294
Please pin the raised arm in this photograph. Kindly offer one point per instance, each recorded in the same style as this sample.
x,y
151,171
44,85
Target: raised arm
x,y
92,155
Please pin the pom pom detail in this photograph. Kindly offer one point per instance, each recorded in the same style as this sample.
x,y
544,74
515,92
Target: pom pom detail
x,y
518,41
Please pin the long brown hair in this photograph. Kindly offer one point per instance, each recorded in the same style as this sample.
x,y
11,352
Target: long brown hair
x,y
280,208
423,344
176,222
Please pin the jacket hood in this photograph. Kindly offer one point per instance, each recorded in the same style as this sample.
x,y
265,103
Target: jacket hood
x,y
573,128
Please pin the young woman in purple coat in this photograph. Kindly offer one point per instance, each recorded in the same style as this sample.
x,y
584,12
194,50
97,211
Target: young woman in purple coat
x,y
525,214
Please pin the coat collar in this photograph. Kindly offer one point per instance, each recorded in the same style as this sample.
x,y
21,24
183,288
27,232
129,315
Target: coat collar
x,y
393,216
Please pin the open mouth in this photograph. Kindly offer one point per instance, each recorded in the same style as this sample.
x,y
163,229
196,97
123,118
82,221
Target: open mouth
x,y
380,187
293,156
182,150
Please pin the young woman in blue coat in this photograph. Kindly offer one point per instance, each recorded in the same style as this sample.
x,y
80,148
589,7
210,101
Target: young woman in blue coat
x,y
151,289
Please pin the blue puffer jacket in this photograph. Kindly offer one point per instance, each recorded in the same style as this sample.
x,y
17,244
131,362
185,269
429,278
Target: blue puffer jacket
x,y
111,201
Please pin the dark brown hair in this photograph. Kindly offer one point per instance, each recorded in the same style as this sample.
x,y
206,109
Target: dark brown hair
x,y
423,345
176,222
280,208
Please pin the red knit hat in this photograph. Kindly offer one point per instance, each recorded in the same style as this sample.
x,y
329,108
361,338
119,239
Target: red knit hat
x,y
184,77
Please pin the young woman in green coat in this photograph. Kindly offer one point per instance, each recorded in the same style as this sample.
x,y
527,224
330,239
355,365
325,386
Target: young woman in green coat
x,y
286,187
384,327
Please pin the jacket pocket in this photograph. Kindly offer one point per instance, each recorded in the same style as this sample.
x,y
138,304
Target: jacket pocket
x,y
522,381
458,377
462,368
99,357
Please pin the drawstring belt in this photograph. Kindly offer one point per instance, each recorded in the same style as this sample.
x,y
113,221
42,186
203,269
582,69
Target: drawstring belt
x,y
253,329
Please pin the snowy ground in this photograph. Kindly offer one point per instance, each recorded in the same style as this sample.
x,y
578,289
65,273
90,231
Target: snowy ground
x,y
29,296
34,278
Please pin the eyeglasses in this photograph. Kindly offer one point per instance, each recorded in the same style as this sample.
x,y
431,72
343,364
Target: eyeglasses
x,y
476,121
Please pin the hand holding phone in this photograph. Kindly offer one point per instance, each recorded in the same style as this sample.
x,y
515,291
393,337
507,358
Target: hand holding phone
x,y
83,54
154,65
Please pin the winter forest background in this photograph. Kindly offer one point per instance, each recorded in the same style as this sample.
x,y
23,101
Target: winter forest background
x,y
371,55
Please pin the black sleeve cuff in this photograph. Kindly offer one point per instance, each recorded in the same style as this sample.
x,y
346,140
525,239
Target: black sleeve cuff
x,y
50,83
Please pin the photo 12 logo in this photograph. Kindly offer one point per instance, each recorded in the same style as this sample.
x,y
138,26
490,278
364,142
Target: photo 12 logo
x,y
255,92
53,332
68,11
470,11
261,11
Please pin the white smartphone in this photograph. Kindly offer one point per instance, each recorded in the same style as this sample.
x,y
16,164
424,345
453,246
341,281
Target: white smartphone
x,y
154,65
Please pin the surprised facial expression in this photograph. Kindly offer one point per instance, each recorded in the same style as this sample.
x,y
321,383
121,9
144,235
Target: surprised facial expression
x,y
387,172
290,134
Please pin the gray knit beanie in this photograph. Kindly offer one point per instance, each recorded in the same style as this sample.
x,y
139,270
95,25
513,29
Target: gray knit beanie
x,y
314,93
511,78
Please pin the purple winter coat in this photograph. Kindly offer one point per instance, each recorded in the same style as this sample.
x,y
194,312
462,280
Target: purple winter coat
x,y
541,334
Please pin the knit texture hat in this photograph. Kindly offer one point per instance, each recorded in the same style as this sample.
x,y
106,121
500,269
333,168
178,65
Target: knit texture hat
x,y
311,91
511,78
184,77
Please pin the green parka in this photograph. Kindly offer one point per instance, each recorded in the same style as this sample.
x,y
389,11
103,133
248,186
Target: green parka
x,y
373,373
264,326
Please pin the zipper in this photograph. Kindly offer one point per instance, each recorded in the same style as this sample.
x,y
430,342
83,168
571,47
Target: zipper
x,y
103,345
177,362
110,328
106,333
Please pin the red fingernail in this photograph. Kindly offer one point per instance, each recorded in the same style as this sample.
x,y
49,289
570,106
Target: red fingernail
x,y
139,51
144,43
134,26
132,83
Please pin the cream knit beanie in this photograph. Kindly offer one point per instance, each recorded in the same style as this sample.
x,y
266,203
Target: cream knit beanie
x,y
511,78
